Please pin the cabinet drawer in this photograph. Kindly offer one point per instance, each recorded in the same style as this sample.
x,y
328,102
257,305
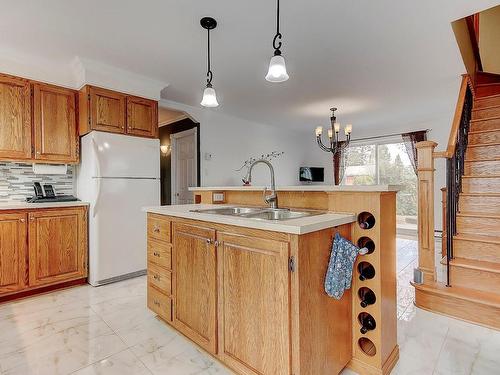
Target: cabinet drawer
x,y
160,253
158,228
160,278
160,303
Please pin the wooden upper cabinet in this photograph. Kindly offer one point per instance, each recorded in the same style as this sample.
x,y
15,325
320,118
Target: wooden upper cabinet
x,y
15,118
57,246
107,110
142,117
195,292
13,267
111,111
254,309
54,120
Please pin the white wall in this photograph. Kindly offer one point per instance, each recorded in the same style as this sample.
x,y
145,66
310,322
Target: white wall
x,y
231,141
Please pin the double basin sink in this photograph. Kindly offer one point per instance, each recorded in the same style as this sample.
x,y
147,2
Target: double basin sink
x,y
259,213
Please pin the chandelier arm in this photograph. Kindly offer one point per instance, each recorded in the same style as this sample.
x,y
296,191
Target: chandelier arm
x,y
321,145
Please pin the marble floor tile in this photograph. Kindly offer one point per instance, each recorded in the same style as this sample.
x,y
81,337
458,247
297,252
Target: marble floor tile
x,y
122,363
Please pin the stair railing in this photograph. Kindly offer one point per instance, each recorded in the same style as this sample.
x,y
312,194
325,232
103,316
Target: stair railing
x,y
455,168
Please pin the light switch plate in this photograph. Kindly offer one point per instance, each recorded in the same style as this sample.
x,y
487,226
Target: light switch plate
x,y
218,197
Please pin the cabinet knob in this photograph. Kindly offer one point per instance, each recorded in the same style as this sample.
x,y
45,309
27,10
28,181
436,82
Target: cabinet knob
x,y
209,241
22,220
156,303
156,254
156,277
156,229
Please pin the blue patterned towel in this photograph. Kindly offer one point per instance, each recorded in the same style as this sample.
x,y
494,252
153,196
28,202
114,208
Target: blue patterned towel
x,y
339,273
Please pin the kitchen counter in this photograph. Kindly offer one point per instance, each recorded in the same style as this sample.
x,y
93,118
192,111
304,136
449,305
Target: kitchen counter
x,y
294,226
321,188
33,206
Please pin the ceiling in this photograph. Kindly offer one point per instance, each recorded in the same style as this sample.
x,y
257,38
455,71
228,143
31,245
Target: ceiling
x,y
385,64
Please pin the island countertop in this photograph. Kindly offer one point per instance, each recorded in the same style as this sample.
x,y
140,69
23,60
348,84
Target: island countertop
x,y
299,226
321,188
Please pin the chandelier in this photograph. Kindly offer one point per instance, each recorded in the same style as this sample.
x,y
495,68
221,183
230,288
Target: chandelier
x,y
333,135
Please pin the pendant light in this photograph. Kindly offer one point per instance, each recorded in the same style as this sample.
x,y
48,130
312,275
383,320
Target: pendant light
x,y
277,68
209,96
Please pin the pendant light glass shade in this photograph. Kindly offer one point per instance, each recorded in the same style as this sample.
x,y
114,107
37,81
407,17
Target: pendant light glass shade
x,y
209,98
277,69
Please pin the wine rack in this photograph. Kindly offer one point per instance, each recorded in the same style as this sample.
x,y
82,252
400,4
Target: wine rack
x,y
375,350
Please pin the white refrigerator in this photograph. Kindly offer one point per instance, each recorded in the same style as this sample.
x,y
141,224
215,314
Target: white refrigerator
x,y
118,175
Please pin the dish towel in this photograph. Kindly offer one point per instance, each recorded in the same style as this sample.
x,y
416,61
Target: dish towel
x,y
339,273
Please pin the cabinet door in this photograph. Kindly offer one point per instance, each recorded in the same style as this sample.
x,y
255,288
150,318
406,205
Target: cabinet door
x,y
12,252
254,311
195,284
107,110
57,245
142,117
56,138
15,118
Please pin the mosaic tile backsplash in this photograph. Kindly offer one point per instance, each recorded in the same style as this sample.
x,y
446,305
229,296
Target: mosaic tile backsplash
x,y
16,181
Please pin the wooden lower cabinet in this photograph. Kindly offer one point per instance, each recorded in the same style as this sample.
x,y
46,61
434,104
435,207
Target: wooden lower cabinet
x,y
255,299
195,290
42,247
254,308
13,265
57,246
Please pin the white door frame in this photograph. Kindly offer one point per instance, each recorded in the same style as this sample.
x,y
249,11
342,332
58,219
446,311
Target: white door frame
x,y
173,169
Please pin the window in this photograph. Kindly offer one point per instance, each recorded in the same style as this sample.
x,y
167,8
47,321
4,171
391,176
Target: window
x,y
381,164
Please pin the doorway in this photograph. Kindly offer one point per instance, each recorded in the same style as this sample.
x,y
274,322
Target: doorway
x,y
180,156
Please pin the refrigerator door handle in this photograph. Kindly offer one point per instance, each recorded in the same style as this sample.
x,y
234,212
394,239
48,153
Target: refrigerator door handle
x,y
97,177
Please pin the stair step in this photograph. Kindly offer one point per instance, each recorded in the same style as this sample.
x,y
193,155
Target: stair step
x,y
486,101
484,137
478,224
483,152
481,184
485,77
463,303
490,123
487,112
475,274
484,248
482,167
487,89
479,203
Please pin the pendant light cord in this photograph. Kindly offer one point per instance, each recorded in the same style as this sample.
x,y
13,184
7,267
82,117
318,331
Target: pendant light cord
x,y
278,35
209,71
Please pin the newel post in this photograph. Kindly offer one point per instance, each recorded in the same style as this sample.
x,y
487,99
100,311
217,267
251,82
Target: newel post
x,y
425,169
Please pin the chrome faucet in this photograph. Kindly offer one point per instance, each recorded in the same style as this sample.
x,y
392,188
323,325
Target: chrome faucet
x,y
271,199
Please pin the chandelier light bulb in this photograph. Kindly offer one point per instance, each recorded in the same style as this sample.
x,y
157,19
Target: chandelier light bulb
x,y
330,133
319,131
337,127
277,70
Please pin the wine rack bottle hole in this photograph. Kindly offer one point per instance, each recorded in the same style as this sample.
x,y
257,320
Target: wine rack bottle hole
x,y
367,322
366,220
366,297
367,346
368,243
366,271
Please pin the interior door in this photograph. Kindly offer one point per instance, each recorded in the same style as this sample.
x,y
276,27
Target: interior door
x,y
107,110
57,246
195,284
142,117
12,252
254,338
184,165
55,130
15,118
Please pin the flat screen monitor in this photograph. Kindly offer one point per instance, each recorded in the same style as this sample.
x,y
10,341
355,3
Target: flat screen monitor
x,y
312,174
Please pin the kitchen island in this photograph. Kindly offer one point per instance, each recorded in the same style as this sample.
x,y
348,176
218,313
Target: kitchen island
x,y
251,291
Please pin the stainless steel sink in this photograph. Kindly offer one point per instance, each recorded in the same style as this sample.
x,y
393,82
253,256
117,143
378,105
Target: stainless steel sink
x,y
259,213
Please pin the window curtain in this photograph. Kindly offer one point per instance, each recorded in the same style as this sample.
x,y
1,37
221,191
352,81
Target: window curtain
x,y
410,141
339,164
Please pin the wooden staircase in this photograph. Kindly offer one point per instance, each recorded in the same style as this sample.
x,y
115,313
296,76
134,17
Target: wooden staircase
x,y
474,278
